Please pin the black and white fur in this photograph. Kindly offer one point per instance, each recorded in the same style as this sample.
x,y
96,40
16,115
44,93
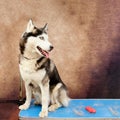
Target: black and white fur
x,y
39,73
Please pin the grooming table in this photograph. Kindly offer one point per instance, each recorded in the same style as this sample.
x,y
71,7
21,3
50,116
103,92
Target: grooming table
x,y
105,109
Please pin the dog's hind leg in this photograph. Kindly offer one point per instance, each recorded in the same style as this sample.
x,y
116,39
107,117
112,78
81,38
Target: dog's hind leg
x,y
59,97
54,106
55,98
64,99
37,96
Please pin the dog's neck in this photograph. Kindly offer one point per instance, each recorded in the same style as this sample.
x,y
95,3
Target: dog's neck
x,y
27,58
28,55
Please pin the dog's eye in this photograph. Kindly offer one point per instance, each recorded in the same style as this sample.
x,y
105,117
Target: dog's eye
x,y
41,37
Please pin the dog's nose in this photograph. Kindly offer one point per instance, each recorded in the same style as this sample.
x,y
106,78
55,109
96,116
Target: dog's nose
x,y
51,47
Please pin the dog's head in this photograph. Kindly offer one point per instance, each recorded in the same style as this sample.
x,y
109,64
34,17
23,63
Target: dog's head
x,y
35,40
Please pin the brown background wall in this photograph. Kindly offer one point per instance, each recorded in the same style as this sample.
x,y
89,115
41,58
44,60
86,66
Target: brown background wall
x,y
85,34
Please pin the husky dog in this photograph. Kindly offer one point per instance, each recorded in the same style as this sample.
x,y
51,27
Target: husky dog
x,y
39,73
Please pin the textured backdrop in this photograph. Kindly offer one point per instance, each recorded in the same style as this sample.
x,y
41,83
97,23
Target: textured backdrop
x,y
85,35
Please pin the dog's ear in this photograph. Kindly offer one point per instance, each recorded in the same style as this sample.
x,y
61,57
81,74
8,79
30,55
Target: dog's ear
x,y
30,26
45,28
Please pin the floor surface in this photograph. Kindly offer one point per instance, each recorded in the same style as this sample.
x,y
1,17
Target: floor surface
x,y
105,109
9,111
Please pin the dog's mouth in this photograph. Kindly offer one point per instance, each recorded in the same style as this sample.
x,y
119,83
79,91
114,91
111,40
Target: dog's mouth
x,y
43,52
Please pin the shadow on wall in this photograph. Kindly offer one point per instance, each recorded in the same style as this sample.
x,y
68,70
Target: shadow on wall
x,y
104,67
105,81
113,72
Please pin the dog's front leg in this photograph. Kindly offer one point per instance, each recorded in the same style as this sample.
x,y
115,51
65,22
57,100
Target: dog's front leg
x,y
45,100
28,97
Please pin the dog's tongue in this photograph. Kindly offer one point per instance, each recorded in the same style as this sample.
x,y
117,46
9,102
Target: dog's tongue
x,y
46,54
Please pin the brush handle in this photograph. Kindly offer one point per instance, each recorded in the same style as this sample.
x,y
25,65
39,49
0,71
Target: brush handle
x,y
90,109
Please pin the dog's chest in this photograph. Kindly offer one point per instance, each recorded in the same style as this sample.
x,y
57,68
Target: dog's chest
x,y
28,71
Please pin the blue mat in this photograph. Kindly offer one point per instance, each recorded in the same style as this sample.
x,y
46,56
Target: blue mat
x,y
105,108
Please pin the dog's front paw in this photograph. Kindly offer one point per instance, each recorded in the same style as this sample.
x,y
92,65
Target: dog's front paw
x,y
24,107
43,114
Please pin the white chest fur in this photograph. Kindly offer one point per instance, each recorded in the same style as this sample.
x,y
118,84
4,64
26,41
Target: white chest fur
x,y
28,71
